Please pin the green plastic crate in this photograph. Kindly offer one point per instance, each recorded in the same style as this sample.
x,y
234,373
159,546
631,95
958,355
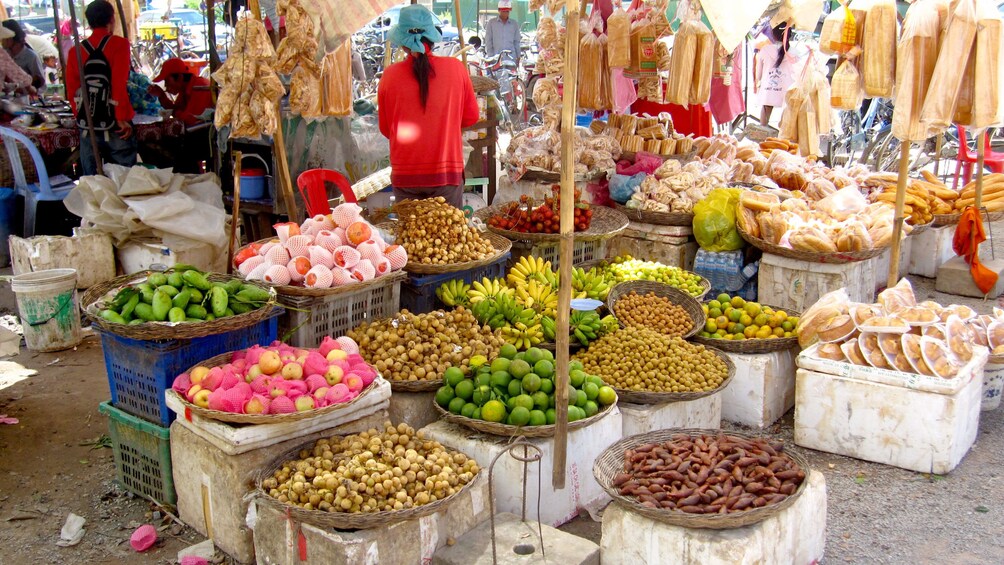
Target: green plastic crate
x,y
142,454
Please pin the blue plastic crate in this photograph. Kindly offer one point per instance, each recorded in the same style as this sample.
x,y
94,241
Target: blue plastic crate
x,y
140,372
418,294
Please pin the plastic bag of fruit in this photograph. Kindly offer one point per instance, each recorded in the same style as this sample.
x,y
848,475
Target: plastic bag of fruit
x,y
715,221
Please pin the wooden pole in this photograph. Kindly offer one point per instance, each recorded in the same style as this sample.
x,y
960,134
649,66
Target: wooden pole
x,y
460,30
84,100
897,225
59,47
237,207
981,141
567,208
214,57
937,151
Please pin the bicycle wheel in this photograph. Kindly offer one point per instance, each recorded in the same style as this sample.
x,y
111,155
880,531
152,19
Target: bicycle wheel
x,y
517,104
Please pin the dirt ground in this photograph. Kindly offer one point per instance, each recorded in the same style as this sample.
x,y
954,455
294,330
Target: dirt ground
x,y
876,514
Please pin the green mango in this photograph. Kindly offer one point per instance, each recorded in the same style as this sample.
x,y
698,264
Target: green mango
x,y
195,311
233,286
196,295
176,315
127,310
239,307
251,293
168,290
161,305
182,299
174,279
113,317
196,279
144,312
218,299
182,267
156,279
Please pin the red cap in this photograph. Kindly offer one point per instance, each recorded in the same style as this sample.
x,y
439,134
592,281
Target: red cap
x,y
172,66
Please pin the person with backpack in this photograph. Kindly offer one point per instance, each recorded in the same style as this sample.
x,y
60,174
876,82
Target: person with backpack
x,y
106,64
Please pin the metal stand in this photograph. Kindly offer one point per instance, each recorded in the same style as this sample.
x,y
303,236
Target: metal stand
x,y
526,459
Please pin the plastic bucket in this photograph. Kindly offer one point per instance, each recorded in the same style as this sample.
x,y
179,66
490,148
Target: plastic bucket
x,y
993,386
47,303
254,181
8,205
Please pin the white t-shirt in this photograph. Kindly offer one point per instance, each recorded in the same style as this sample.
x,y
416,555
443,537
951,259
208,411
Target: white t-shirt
x,y
776,80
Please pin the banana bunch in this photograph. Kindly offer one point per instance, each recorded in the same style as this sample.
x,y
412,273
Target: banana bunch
x,y
589,284
487,288
532,268
454,293
610,324
486,313
548,324
586,326
539,296
523,336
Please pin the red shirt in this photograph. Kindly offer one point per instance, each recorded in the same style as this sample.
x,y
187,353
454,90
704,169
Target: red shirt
x,y
117,53
191,103
426,146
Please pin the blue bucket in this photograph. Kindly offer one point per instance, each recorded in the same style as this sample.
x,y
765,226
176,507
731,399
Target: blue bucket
x,y
254,181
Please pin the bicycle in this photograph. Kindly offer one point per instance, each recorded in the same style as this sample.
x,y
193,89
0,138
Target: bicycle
x,y
511,93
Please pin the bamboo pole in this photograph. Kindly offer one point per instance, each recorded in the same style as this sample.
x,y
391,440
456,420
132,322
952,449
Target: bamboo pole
x,y
897,225
981,143
59,47
569,98
937,151
237,207
460,30
214,57
84,100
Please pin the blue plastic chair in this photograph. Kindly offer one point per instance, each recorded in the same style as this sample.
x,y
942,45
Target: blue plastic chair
x,y
33,193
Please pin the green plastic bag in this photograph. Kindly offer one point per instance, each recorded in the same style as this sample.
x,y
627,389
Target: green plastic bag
x,y
715,221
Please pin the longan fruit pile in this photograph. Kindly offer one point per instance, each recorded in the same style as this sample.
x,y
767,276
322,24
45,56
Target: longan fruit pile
x,y
374,471
420,347
645,360
654,312
435,233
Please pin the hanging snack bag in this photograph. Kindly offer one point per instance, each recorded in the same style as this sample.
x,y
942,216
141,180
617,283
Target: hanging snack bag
x,y
879,49
917,54
643,57
986,82
590,72
336,76
619,39
839,34
943,93
845,88
704,67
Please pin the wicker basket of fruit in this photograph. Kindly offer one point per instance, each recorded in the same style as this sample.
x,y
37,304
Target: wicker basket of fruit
x,y
738,326
533,222
625,268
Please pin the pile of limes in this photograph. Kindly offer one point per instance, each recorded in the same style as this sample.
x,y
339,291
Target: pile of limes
x,y
517,388
731,317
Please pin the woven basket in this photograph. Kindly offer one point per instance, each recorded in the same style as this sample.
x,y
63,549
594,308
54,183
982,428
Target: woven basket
x,y
917,230
611,462
508,431
483,85
675,295
644,397
705,284
93,301
683,157
501,245
606,223
297,290
838,258
657,218
344,520
223,359
540,175
416,386
952,219
752,346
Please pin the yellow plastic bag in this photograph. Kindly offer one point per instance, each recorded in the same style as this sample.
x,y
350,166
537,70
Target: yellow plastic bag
x,y
715,221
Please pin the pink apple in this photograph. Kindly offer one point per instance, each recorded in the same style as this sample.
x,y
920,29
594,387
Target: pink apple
x,y
315,363
276,392
182,383
253,354
355,359
327,345
270,363
315,381
257,405
334,375
336,355
337,393
201,398
190,395
198,374
292,371
304,403
238,355
254,371
239,365
354,381
320,392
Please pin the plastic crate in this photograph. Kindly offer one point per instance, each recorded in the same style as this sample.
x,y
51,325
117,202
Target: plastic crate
x,y
311,318
418,295
139,372
582,252
142,454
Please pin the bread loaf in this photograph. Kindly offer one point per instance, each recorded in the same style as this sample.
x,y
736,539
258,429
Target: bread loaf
x,y
704,66
590,68
946,82
683,62
917,54
619,39
845,88
336,76
986,82
879,49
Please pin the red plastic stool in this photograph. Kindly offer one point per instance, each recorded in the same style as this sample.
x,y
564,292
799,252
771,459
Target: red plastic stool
x,y
967,159
314,192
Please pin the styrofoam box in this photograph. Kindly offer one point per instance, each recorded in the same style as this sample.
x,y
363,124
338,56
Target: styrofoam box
x,y
795,535
703,413
795,285
556,507
762,390
883,262
140,255
921,431
212,485
930,250
413,408
675,255
236,439
89,251
277,538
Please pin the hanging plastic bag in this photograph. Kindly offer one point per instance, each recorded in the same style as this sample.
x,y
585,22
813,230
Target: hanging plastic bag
x,y
715,221
704,67
845,88
590,72
943,93
619,39
336,76
623,187
916,55
818,93
986,82
689,63
643,58
839,34
879,49
622,91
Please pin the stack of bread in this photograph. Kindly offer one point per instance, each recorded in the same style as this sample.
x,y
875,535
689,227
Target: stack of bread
x,y
924,198
539,148
993,194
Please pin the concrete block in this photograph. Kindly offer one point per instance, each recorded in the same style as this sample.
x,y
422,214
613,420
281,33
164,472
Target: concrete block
x,y
234,439
795,285
581,491
518,542
413,408
879,422
704,413
211,485
930,250
882,263
277,539
10,343
954,278
796,536
762,390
